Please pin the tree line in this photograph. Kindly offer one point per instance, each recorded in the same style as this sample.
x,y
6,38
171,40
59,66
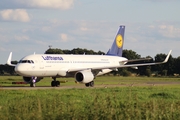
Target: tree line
x,y
171,68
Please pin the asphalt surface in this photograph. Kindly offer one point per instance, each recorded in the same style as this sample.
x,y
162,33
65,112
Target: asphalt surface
x,y
82,86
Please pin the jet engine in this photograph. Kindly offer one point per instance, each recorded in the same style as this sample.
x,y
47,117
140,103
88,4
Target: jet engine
x,y
84,76
29,79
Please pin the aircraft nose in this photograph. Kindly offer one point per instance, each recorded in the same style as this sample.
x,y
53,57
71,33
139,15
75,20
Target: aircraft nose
x,y
19,69
23,69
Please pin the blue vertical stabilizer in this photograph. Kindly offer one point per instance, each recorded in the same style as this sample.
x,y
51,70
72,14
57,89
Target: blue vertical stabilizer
x,y
117,46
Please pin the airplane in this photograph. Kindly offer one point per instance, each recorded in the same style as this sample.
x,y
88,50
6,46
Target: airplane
x,y
84,68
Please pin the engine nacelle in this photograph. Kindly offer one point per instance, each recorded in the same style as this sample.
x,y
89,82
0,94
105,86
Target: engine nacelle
x,y
84,76
29,79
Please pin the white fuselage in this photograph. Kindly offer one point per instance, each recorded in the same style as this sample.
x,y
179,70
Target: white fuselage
x,y
43,65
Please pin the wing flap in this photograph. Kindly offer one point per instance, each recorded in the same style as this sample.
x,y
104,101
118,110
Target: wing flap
x,y
135,60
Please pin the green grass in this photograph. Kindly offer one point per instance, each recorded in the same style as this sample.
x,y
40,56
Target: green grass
x,y
115,80
127,102
110,103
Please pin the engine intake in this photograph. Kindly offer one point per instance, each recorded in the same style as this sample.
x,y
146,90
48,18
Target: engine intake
x,y
84,76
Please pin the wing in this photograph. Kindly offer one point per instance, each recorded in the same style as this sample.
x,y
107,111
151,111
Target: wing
x,y
123,66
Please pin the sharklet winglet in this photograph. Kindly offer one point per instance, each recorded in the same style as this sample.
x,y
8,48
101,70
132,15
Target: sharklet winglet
x,y
9,60
167,57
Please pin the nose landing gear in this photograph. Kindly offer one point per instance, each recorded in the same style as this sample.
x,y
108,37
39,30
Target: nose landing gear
x,y
33,82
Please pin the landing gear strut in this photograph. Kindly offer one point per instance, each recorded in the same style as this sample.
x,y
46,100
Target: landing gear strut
x,y
55,83
32,84
90,84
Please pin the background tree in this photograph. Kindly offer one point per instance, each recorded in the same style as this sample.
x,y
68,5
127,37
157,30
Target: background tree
x,y
145,70
73,51
54,51
177,65
129,54
164,69
66,51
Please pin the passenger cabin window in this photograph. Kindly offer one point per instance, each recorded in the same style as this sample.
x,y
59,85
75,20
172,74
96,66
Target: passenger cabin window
x,y
26,61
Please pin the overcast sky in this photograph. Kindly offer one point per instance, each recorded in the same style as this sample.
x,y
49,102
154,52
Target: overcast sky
x,y
28,26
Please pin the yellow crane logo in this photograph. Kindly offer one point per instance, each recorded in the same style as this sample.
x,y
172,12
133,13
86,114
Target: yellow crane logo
x,y
119,41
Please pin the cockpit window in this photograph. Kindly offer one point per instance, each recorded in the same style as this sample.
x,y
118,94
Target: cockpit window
x,y
20,61
26,61
32,61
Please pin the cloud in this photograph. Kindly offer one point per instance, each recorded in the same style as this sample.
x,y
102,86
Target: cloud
x,y
19,15
3,38
55,4
64,37
22,38
46,28
2,49
84,29
42,43
132,39
164,30
169,31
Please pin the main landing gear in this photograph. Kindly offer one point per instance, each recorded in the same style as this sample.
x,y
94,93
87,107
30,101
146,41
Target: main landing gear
x,y
55,83
90,84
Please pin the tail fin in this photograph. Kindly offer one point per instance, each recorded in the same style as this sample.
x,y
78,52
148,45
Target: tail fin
x,y
117,46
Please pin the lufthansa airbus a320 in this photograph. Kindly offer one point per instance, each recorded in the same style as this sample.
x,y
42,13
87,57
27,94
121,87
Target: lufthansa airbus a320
x,y
84,68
